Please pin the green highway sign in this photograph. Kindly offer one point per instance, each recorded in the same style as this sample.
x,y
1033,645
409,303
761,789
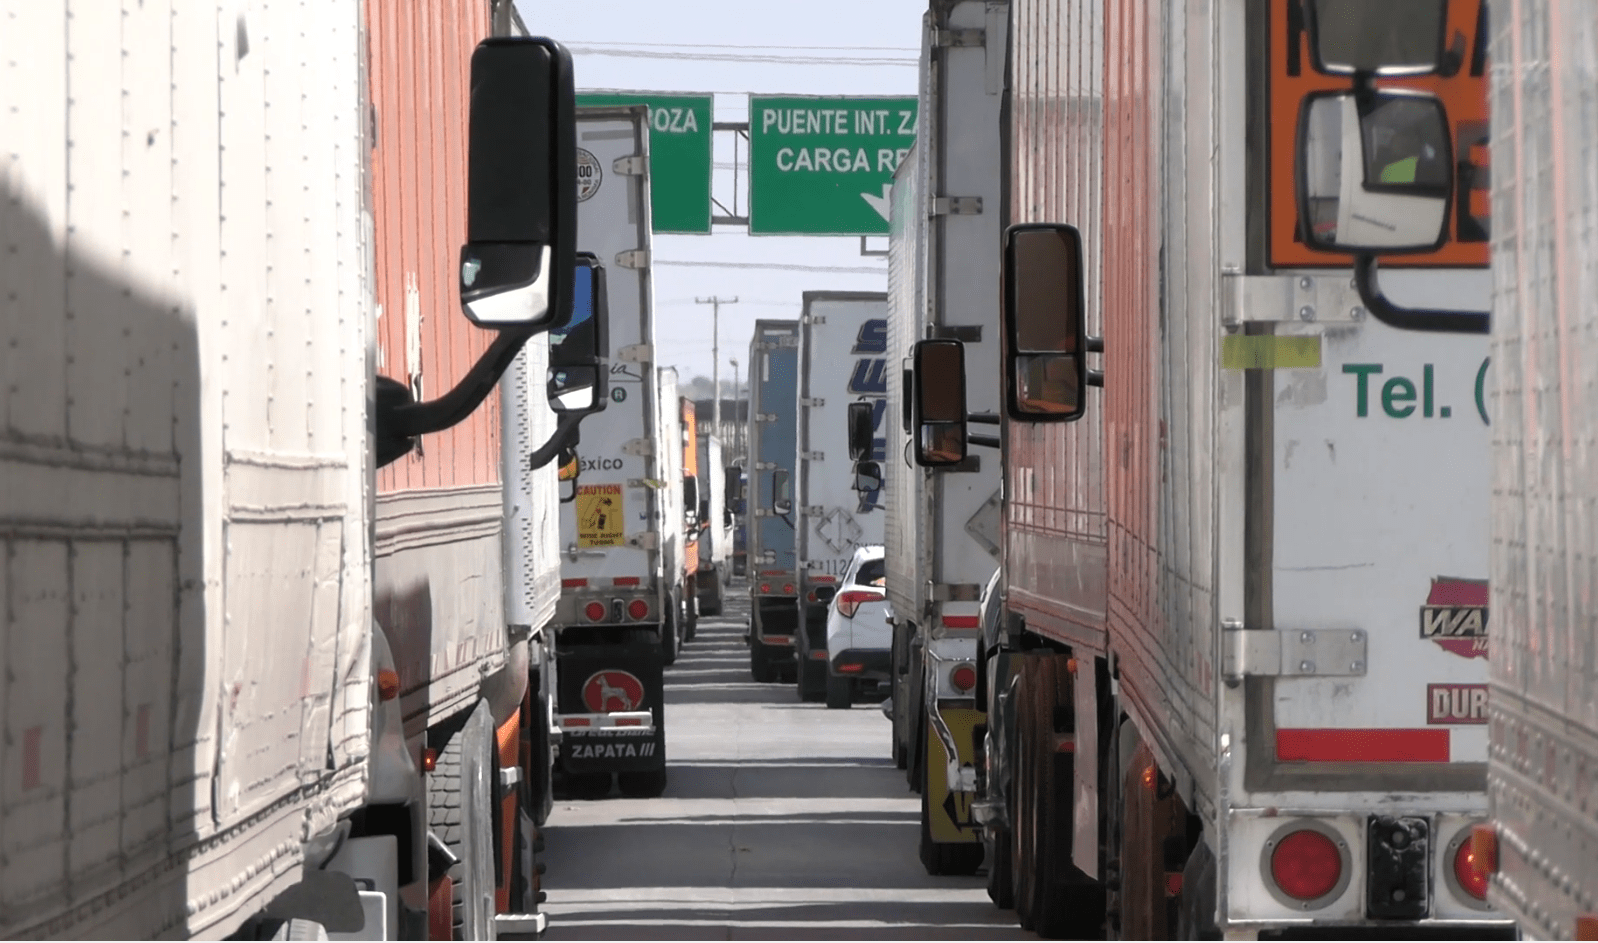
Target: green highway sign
x,y
679,155
824,166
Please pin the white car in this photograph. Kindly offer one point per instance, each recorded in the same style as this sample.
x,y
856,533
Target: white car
x,y
859,630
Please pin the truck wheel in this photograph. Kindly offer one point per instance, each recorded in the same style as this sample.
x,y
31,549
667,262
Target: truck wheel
x,y
898,752
840,692
668,632
812,678
691,611
1067,903
642,784
587,785
460,813
1001,889
759,665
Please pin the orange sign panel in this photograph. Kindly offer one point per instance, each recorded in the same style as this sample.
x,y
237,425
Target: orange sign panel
x,y
1464,93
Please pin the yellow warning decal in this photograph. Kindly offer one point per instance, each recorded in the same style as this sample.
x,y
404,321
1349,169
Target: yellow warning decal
x,y
1269,352
949,817
600,521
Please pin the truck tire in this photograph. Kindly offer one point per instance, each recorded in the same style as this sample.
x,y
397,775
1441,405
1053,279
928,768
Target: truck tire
x,y
460,812
759,665
668,631
1066,904
643,784
811,678
840,692
1001,886
690,604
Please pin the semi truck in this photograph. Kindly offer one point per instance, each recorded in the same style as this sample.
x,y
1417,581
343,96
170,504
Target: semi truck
x,y
618,617
831,518
689,497
770,466
1230,677
943,540
226,719
1534,856
715,525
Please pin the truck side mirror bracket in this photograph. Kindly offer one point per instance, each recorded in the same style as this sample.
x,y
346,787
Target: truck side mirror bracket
x,y
516,267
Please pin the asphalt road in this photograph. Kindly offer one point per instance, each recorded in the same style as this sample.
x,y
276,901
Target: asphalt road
x,y
781,820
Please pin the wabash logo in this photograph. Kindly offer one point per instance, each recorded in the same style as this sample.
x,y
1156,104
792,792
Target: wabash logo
x,y
1455,616
613,690
1456,703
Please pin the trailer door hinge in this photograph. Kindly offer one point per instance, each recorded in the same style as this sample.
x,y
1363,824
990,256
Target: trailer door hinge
x,y
636,353
944,38
964,333
639,447
814,402
778,344
765,466
765,417
1290,299
1292,653
813,456
633,258
815,510
954,592
957,206
648,540
633,165
815,319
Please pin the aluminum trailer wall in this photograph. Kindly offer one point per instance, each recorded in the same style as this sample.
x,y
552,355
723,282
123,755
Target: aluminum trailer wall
x,y
1543,703
184,467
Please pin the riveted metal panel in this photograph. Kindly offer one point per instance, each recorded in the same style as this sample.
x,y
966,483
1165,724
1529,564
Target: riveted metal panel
x,y
1543,703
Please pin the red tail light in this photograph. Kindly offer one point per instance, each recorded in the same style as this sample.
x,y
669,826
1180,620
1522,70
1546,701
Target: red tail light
x,y
388,684
638,610
849,602
429,760
765,587
595,611
787,587
851,669
1470,871
963,677
1306,865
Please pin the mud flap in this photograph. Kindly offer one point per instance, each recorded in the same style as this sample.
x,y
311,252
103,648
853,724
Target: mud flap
x,y
630,673
949,813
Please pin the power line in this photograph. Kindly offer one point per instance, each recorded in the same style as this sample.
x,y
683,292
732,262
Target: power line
x,y
620,45
742,57
782,266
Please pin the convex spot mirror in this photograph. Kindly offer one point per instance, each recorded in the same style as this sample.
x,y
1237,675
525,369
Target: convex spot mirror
x,y
1375,171
578,381
521,191
690,497
861,426
867,476
1044,323
781,492
940,416
1376,37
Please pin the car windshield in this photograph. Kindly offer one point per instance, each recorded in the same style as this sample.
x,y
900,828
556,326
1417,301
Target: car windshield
x,y
871,573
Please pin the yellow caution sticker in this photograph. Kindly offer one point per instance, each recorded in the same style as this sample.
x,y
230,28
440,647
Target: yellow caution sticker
x,y
1269,351
600,521
949,813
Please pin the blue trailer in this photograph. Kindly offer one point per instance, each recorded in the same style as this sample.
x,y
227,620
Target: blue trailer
x,y
773,580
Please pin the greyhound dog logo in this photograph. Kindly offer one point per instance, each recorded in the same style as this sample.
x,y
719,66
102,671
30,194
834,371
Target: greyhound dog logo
x,y
613,690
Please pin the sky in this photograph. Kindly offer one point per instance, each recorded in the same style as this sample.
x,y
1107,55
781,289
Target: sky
x,y
732,48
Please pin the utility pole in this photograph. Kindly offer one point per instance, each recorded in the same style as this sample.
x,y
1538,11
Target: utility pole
x,y
737,424
715,353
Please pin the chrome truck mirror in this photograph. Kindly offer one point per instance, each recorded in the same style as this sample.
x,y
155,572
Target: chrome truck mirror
x,y
521,193
1045,323
867,476
861,427
1375,171
939,402
1376,37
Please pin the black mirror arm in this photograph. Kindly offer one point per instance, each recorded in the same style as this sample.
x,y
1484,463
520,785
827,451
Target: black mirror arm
x,y
984,419
1095,345
565,429
987,441
1096,378
413,419
1413,319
